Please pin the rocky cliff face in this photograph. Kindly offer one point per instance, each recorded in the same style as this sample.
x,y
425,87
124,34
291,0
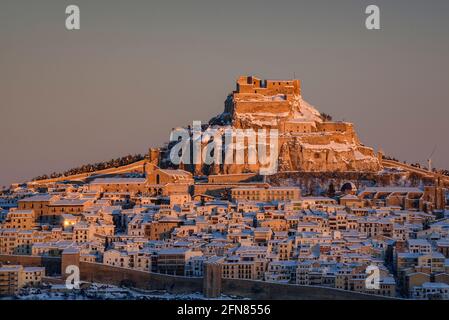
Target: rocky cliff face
x,y
306,141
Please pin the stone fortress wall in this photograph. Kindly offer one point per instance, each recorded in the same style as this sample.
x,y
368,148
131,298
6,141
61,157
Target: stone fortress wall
x,y
101,273
211,285
307,142
95,272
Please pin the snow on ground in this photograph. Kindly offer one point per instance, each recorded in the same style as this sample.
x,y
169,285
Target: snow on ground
x,y
304,110
300,111
337,147
97,291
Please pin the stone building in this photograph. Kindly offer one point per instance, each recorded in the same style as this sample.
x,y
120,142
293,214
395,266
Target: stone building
x,y
19,219
156,182
15,277
307,140
174,260
266,194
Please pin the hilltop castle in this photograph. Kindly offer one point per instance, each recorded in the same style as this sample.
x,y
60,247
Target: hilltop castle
x,y
308,141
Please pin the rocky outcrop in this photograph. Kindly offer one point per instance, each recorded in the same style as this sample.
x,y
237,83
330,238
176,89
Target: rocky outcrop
x,y
307,142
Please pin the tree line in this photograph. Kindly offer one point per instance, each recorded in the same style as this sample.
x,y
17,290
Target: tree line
x,y
113,163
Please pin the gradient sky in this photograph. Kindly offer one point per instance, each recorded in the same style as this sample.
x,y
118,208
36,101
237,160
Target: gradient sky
x,y
136,69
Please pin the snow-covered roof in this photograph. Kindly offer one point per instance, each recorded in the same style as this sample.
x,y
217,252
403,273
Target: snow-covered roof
x,y
38,198
418,242
118,181
391,189
435,285
349,197
173,251
70,202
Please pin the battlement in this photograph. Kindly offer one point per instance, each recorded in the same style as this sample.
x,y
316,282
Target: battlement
x,y
307,142
254,85
335,127
253,95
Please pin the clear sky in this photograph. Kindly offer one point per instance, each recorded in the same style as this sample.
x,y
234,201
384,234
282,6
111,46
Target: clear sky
x,y
136,69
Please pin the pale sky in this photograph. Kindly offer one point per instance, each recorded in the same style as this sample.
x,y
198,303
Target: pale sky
x,y
136,69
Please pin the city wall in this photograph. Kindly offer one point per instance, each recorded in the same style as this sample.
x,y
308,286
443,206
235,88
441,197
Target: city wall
x,y
100,273
96,272
52,264
262,290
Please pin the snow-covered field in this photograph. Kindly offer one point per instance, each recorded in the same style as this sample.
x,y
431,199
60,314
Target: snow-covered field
x,y
98,291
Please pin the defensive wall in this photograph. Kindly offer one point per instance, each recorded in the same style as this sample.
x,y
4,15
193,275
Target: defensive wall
x,y
419,171
52,264
97,272
253,289
263,290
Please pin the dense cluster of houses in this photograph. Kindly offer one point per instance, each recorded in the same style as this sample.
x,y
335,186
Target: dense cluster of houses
x,y
258,233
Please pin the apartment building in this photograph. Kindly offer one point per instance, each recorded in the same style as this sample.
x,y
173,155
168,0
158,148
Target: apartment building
x,y
174,260
266,194
15,277
19,219
431,291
